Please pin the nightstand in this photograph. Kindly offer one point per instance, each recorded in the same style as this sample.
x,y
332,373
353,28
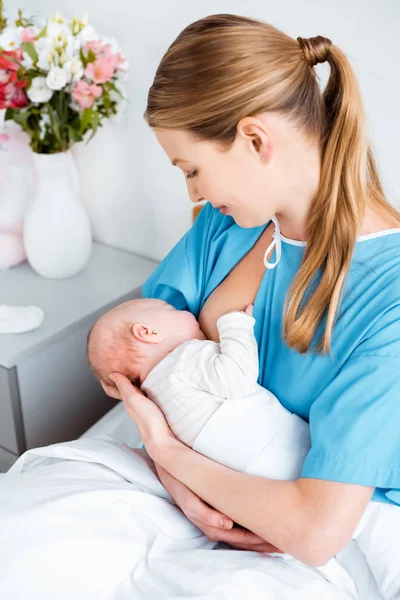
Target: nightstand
x,y
47,391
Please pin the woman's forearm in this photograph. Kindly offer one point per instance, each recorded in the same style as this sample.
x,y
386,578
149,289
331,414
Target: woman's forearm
x,y
311,519
274,510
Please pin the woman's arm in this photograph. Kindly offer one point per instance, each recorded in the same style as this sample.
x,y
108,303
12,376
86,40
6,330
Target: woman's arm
x,y
208,519
310,519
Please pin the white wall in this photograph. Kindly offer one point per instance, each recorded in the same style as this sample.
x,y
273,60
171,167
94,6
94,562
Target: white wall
x,y
136,199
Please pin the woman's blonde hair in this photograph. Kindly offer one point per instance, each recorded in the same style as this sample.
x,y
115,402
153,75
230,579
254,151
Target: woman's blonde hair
x,y
225,67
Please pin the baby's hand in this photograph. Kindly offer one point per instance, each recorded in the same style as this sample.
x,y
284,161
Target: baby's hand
x,y
249,310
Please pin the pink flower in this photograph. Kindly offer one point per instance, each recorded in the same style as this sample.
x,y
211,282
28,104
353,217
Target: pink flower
x,y
101,70
106,63
85,93
7,62
11,93
116,59
12,96
18,98
95,46
27,35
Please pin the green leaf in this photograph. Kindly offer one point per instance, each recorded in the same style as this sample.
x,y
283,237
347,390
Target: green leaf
x,y
74,135
95,123
83,58
113,87
95,120
56,129
22,21
42,33
86,119
30,49
91,56
19,116
106,100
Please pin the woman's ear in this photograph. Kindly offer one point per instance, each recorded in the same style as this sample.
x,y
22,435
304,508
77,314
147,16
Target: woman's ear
x,y
147,334
255,132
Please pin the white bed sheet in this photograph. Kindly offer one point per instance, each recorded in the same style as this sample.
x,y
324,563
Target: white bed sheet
x,y
156,553
119,426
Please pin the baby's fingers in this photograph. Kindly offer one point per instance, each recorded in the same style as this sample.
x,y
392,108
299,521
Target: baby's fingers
x,y
249,310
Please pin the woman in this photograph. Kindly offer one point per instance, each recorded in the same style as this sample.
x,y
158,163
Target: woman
x,y
236,105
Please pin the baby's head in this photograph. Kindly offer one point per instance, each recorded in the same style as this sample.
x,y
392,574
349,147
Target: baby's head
x,y
133,337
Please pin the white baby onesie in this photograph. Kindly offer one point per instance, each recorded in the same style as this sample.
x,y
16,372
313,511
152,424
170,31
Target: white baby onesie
x,y
209,395
192,384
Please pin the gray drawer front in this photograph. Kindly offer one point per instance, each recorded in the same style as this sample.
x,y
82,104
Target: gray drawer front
x,y
9,411
7,459
60,397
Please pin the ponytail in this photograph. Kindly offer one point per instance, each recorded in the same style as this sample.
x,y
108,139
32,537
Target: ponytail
x,y
348,177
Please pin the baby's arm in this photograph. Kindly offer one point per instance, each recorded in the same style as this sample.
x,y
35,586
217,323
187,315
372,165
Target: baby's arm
x,y
228,369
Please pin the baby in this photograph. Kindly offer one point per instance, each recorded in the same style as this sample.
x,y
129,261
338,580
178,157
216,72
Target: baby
x,y
209,395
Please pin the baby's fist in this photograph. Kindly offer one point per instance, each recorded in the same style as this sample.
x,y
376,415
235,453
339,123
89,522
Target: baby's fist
x,y
249,310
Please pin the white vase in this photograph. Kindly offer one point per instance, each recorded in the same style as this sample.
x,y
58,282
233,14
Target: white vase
x,y
57,232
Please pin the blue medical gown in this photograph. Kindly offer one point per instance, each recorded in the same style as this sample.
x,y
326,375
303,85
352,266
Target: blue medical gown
x,y
351,397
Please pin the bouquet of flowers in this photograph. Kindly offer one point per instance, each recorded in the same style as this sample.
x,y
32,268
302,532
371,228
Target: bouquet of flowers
x,y
59,81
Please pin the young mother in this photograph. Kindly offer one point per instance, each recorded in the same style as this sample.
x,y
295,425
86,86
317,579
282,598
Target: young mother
x,y
296,223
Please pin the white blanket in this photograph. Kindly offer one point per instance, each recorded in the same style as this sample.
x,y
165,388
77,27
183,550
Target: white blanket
x,y
89,520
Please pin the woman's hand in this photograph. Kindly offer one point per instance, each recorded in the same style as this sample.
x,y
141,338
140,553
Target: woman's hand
x,y
149,418
156,433
216,526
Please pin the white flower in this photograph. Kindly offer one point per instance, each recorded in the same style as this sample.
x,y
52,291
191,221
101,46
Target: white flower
x,y
45,119
57,30
57,18
87,34
70,48
10,38
43,124
77,25
39,90
74,70
57,78
111,41
26,61
45,50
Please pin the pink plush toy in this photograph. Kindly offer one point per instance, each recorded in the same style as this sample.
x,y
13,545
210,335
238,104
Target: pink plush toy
x,y
15,188
11,245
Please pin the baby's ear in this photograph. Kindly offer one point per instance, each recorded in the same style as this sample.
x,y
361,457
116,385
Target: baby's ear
x,y
145,333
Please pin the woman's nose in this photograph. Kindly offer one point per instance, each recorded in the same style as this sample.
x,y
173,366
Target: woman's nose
x,y
195,196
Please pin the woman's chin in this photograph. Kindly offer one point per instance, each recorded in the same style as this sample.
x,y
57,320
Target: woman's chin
x,y
246,223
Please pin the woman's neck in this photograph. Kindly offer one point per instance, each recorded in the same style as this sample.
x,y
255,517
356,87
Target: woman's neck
x,y
376,219
303,162
293,224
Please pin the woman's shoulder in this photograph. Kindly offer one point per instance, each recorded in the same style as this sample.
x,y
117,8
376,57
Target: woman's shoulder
x,y
376,260
371,302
